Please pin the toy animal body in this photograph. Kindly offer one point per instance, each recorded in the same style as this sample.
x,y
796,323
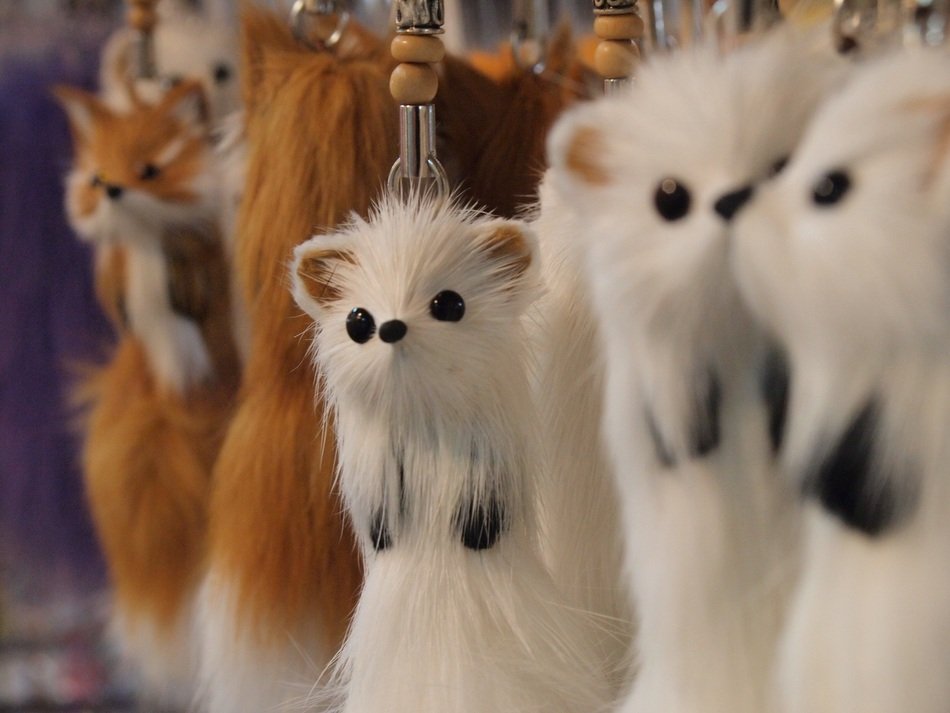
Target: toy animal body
x,y
155,412
655,177
420,339
580,512
843,257
283,568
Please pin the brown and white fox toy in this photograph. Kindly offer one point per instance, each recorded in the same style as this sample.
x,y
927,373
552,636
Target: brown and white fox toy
x,y
141,190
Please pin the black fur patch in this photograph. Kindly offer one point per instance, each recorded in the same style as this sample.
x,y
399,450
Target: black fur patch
x,y
480,525
776,379
663,452
847,486
704,431
379,534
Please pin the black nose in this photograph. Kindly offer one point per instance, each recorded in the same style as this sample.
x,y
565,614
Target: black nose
x,y
728,205
114,192
392,331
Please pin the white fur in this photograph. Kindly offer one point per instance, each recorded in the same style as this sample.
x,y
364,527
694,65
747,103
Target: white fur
x,y
858,292
188,45
241,674
439,627
580,511
175,348
711,541
166,658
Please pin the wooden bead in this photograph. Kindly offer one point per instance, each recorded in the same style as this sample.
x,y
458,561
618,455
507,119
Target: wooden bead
x,y
618,27
414,83
417,48
615,59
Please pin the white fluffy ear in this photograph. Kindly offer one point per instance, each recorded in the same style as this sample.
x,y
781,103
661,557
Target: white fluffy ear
x,y
513,246
187,103
82,109
314,271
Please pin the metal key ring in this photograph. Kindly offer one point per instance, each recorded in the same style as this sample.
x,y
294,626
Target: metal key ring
x,y
298,14
439,175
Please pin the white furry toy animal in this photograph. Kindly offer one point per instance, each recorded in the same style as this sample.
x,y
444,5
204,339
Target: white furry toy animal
x,y
580,509
655,177
188,45
420,340
844,256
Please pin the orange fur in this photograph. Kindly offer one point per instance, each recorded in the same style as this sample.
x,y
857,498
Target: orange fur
x,y
322,135
148,452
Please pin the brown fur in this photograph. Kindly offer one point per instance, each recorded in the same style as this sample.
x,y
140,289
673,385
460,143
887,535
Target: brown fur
x,y
512,155
508,243
322,136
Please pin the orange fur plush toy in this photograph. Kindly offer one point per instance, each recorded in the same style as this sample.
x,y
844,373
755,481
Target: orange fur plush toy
x,y
284,570
141,190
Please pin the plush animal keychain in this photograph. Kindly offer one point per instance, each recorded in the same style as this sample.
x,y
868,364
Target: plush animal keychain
x,y
843,257
421,342
581,513
187,43
283,567
655,176
141,191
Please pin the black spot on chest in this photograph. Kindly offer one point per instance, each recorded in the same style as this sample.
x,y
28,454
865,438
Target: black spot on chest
x,y
848,482
481,524
775,384
703,431
704,423
380,536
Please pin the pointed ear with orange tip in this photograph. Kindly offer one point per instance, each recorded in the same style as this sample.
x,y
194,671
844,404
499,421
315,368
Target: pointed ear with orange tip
x,y
188,104
578,152
83,110
513,248
315,272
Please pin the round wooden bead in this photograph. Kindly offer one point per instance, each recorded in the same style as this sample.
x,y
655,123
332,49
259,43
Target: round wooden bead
x,y
615,59
417,48
618,27
414,83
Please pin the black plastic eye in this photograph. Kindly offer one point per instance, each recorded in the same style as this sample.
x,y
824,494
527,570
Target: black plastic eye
x,y
360,325
777,167
847,45
222,73
448,306
672,199
149,172
831,188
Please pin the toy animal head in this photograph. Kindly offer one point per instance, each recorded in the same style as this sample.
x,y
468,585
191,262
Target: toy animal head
x,y
140,169
188,46
418,309
849,247
658,174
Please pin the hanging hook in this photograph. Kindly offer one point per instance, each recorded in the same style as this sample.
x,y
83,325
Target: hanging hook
x,y
302,10
618,26
414,84
142,18
530,33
